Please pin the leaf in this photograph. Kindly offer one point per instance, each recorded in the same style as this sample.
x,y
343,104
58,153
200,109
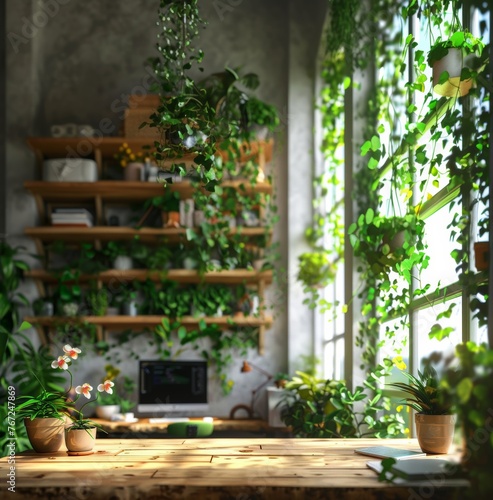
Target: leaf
x,y
375,143
369,216
464,390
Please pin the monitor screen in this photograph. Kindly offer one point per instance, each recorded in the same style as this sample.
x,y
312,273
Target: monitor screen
x,y
172,386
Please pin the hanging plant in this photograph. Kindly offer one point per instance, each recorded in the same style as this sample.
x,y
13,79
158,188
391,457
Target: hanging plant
x,y
453,72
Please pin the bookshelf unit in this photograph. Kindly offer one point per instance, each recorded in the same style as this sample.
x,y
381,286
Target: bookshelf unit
x,y
98,196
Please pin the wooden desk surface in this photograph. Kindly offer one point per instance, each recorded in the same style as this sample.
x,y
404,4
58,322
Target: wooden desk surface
x,y
144,426
279,468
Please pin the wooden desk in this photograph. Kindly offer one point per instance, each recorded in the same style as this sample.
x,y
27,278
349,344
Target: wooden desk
x,y
280,469
222,427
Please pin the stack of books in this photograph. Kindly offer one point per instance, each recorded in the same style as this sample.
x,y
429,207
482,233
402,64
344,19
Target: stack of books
x,y
71,217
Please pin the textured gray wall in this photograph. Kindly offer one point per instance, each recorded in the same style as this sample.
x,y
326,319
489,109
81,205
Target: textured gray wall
x,y
75,61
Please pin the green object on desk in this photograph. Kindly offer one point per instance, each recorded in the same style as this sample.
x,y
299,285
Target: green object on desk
x,y
190,429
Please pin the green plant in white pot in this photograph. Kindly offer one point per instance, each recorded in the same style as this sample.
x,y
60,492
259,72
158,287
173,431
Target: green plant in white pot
x,y
434,422
452,74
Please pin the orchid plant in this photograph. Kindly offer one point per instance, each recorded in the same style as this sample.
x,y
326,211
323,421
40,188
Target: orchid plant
x,y
58,404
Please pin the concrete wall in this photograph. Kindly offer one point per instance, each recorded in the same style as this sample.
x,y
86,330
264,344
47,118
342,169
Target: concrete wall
x,y
76,61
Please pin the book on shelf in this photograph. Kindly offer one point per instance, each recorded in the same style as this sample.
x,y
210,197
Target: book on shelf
x,y
69,217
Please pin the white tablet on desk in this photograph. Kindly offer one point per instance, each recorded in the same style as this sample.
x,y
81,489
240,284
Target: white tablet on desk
x,y
388,452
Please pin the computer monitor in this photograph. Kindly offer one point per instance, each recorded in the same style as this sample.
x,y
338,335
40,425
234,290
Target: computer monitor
x,y
167,386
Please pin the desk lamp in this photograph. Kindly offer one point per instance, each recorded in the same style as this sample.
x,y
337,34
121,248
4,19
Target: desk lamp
x,y
247,367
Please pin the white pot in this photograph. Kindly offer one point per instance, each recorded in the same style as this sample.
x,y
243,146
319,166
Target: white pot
x,y
123,263
107,411
452,63
189,263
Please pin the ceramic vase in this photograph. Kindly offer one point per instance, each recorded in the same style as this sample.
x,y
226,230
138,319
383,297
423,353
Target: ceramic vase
x,y
133,171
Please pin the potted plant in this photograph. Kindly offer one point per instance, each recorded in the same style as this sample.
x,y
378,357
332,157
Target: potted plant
x,y
388,243
169,204
448,58
80,435
97,300
43,306
318,407
262,117
212,300
184,118
434,422
315,269
46,414
67,294
132,163
117,253
109,404
482,255
468,385
127,299
113,404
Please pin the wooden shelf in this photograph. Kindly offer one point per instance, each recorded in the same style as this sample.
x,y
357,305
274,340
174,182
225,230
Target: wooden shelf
x,y
124,191
229,277
67,147
142,322
100,194
111,233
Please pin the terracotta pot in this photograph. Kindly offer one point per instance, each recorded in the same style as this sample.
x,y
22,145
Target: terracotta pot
x,y
107,411
482,255
45,434
435,432
80,439
452,63
171,219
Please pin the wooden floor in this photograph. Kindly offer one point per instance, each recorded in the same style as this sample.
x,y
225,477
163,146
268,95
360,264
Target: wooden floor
x,y
254,468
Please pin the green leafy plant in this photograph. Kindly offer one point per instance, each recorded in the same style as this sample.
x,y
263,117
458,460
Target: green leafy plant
x,y
97,299
67,292
212,299
184,117
389,243
58,404
424,393
12,270
463,40
315,269
316,407
468,386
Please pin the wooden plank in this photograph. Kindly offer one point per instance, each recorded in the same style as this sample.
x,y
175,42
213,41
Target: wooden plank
x,y
123,191
111,233
233,276
54,147
139,322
